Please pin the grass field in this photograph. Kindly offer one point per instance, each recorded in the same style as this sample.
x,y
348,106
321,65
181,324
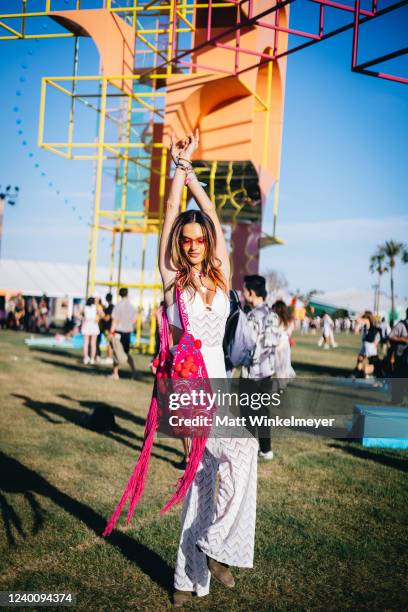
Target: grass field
x,y
331,522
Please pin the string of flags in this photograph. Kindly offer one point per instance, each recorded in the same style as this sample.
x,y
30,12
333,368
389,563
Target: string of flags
x,y
23,80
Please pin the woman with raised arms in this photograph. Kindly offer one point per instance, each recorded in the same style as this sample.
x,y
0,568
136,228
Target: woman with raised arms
x,y
217,523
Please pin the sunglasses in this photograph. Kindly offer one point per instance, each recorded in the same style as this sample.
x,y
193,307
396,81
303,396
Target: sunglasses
x,y
185,241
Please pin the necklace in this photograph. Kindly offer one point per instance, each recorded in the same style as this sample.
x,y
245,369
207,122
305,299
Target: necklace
x,y
202,288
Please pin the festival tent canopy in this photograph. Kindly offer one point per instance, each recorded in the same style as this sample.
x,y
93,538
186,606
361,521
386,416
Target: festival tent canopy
x,y
34,278
356,301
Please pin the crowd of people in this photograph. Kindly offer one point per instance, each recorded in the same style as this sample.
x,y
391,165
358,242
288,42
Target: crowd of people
x,y
30,315
116,323
384,352
313,324
379,355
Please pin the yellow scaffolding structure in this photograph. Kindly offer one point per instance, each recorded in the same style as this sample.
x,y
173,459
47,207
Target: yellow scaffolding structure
x,y
161,30
14,22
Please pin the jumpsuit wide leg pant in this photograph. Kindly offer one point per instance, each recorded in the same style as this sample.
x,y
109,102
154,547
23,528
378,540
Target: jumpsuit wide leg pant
x,y
218,521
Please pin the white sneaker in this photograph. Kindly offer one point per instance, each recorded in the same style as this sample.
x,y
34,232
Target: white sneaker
x,y
268,456
335,345
86,360
326,347
92,361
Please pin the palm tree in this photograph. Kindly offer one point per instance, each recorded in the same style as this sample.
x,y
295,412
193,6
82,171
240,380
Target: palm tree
x,y
305,297
377,266
392,251
308,297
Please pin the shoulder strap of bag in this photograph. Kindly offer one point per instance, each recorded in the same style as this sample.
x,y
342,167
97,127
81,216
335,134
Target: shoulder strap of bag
x,y
164,332
181,304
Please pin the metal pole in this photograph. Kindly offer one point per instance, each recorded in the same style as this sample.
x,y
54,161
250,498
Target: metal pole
x,y
125,174
98,187
73,91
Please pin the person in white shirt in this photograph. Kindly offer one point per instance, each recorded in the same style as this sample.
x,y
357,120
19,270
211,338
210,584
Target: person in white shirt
x,y
123,319
304,329
327,339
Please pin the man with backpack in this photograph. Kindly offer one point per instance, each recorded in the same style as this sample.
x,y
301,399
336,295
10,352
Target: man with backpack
x,y
399,346
259,369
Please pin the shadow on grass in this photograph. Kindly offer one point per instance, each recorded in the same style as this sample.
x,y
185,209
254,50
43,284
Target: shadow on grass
x,y
61,352
382,456
44,409
17,478
328,387
97,371
323,370
121,413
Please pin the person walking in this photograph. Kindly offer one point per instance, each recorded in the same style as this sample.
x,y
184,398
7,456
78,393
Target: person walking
x,y
283,365
258,376
327,338
123,320
90,331
105,323
368,362
218,515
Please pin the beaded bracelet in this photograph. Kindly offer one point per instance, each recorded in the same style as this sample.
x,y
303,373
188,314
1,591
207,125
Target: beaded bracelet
x,y
183,167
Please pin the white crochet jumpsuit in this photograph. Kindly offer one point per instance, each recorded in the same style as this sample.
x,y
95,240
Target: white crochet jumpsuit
x,y
216,521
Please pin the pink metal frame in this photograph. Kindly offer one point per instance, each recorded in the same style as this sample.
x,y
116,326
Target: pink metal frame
x,y
362,68
360,16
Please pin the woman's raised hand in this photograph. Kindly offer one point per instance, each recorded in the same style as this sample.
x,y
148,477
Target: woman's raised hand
x,y
185,148
176,147
192,144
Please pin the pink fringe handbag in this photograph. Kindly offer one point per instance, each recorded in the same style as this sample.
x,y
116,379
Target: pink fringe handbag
x,y
187,371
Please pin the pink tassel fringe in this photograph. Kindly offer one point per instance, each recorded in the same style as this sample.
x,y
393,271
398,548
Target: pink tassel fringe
x,y
136,483
197,450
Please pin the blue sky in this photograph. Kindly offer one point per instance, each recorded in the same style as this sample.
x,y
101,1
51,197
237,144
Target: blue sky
x,y
343,187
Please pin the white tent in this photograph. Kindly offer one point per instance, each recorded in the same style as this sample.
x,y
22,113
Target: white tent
x,y
356,301
34,278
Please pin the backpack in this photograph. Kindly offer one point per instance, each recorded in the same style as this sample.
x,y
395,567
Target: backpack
x,y
239,345
401,349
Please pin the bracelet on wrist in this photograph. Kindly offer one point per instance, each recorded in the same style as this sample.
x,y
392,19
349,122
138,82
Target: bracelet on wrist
x,y
184,167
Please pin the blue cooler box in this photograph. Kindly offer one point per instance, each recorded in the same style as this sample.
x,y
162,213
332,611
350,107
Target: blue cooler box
x,y
381,426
